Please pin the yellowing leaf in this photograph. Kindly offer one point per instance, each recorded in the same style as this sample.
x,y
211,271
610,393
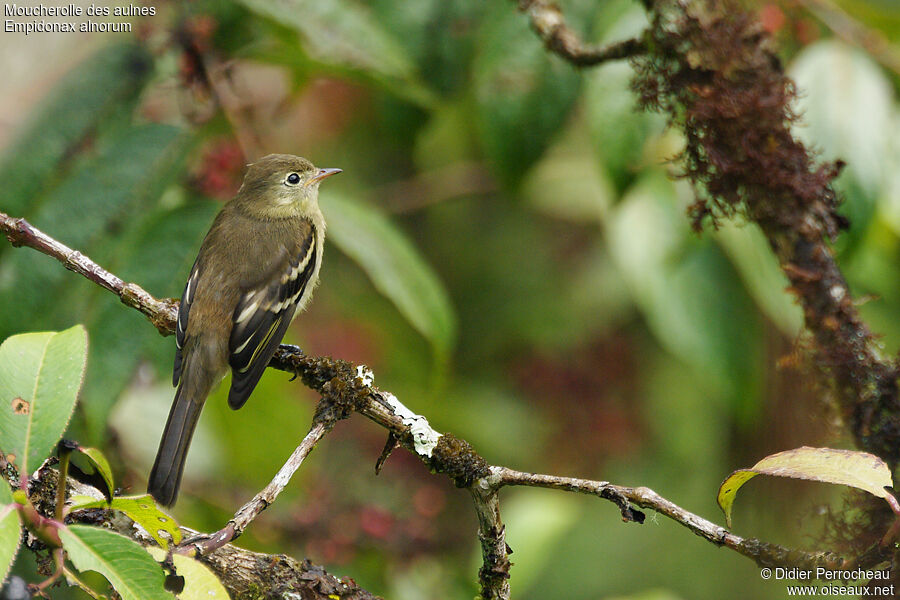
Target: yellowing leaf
x,y
861,470
200,583
140,509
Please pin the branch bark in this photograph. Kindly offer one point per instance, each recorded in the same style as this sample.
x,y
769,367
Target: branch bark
x,y
242,572
745,160
548,22
713,72
348,388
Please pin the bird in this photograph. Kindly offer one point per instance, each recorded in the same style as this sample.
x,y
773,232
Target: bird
x,y
255,271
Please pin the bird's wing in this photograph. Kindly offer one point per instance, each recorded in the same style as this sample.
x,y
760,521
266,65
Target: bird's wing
x,y
262,316
190,290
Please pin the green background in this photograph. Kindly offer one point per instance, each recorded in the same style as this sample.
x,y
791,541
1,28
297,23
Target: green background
x,y
508,252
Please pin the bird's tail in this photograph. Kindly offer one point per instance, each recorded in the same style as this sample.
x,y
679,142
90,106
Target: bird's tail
x,y
165,477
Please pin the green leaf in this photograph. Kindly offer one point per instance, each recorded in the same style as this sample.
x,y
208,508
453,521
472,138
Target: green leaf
x,y
536,525
131,571
523,94
685,288
116,332
861,470
75,107
619,130
101,465
40,375
140,509
567,183
848,112
106,191
758,267
436,34
10,529
847,105
343,32
395,267
200,583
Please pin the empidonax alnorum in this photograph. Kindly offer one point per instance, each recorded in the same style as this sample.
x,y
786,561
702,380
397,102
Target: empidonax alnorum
x,y
255,271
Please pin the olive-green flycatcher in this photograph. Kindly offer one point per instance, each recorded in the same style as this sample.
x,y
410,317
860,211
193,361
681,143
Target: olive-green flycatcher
x,y
255,271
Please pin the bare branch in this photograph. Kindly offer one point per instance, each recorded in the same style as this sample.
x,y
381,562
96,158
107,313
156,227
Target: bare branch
x,y
871,40
244,516
763,553
162,313
549,23
494,572
349,388
242,572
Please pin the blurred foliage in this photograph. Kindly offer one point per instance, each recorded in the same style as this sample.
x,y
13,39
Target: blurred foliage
x,y
509,254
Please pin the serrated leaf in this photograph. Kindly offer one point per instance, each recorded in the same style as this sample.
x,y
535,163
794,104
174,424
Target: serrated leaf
x,y
40,375
101,465
126,565
395,267
140,509
861,470
523,94
200,583
74,108
10,530
345,33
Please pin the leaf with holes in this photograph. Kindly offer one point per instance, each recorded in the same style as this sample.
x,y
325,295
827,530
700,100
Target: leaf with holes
x,y
128,567
140,509
40,376
861,470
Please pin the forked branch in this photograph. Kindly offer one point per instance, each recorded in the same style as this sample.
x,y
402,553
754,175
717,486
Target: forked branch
x,y
348,388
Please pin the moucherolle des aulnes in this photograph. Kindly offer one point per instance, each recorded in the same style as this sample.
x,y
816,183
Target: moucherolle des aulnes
x,y
256,270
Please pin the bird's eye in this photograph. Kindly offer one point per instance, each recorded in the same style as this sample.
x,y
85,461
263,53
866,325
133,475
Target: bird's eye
x,y
293,179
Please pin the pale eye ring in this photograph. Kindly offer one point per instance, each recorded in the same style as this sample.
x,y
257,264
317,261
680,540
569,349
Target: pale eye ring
x,y
292,179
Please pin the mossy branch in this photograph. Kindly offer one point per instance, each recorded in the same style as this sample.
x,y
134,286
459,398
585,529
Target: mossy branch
x,y
347,388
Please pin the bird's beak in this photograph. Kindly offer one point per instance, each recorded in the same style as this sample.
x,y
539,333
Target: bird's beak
x,y
322,174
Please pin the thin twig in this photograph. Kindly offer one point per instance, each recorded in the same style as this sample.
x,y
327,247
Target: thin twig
x,y
852,31
205,544
442,453
549,23
763,553
162,313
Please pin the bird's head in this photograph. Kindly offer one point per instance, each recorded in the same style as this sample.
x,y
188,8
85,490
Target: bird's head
x,y
282,185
